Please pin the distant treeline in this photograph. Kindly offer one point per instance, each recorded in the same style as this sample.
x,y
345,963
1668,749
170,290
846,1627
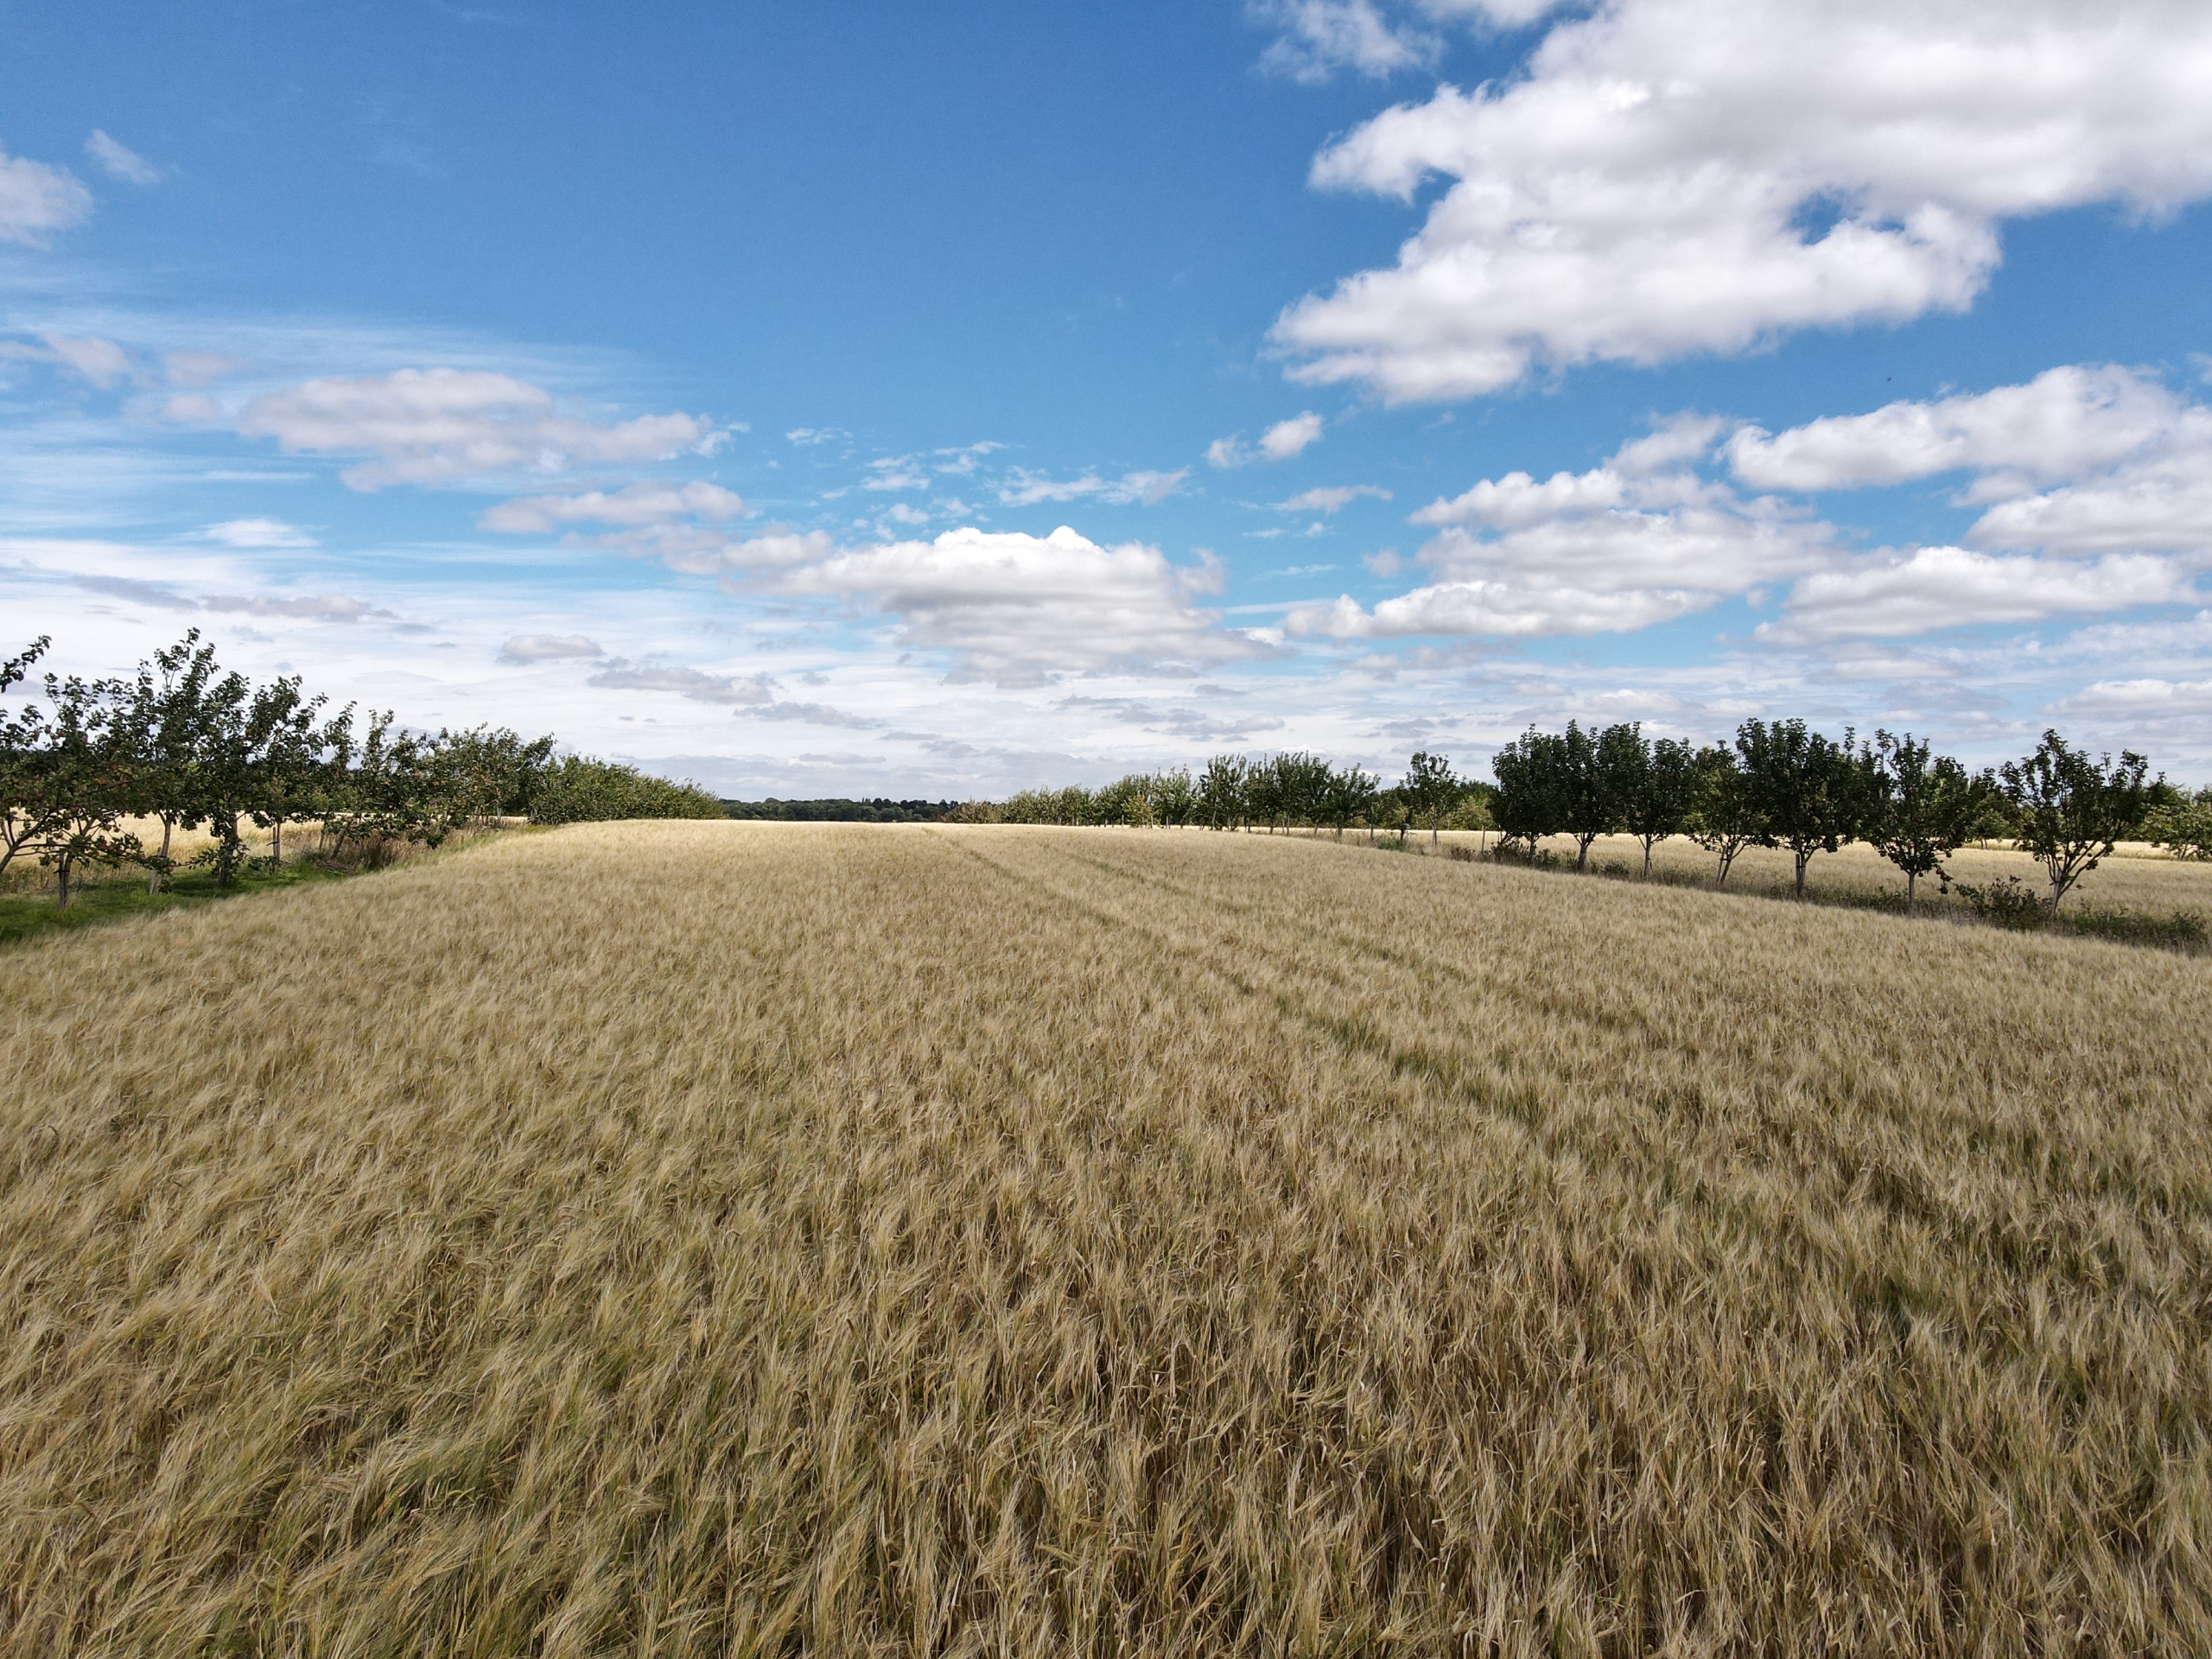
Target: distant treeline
x,y
186,743
878,811
1778,783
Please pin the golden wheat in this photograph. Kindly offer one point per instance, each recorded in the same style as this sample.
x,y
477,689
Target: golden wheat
x,y
744,1238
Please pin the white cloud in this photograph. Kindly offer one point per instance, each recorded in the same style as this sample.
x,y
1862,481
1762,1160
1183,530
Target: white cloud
x,y
201,368
2063,422
898,472
1319,37
2131,459
688,682
37,200
1291,438
1020,608
1500,609
652,502
808,436
1624,545
1332,499
810,713
1279,443
101,361
256,533
119,162
1023,489
549,648
434,426
2144,698
1935,587
1678,176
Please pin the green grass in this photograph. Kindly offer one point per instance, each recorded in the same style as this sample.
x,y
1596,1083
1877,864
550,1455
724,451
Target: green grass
x,y
110,896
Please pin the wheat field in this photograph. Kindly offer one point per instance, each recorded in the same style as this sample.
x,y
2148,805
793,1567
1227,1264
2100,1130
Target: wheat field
x,y
745,1238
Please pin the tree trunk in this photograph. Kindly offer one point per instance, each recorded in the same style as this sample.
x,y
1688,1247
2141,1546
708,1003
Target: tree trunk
x,y
61,872
1911,879
1435,830
154,875
1803,859
1647,860
276,841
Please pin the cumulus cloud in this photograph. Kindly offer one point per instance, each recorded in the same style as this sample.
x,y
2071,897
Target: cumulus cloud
x,y
37,201
549,648
2063,422
1020,608
256,533
2084,459
1638,540
1331,498
652,502
1677,177
119,162
1935,587
434,426
1023,488
1279,443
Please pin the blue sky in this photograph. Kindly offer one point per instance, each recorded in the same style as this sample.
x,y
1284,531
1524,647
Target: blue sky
x,y
860,399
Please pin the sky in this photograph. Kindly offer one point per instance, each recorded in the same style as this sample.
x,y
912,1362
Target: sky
x,y
940,400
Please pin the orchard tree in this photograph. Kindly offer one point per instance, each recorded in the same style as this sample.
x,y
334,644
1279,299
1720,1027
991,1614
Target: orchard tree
x,y
26,804
1813,794
1431,790
1174,796
1222,803
1656,790
2184,826
168,720
83,779
1527,805
1725,816
2069,809
1923,807
1349,794
1585,792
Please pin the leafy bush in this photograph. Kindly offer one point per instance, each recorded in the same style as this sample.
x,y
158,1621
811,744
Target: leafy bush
x,y
2006,902
579,790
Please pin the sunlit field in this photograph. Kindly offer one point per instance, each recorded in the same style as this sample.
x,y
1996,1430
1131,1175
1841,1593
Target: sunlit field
x,y
733,1239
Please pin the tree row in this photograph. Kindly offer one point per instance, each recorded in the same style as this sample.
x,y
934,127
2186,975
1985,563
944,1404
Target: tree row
x,y
1777,784
185,743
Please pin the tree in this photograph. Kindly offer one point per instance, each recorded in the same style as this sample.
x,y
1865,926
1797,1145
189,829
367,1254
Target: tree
x,y
2183,827
1222,803
1527,805
1348,794
80,779
1585,793
25,805
288,764
2070,810
1430,791
1302,786
1813,794
1656,793
168,718
1923,809
1723,818
1174,796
